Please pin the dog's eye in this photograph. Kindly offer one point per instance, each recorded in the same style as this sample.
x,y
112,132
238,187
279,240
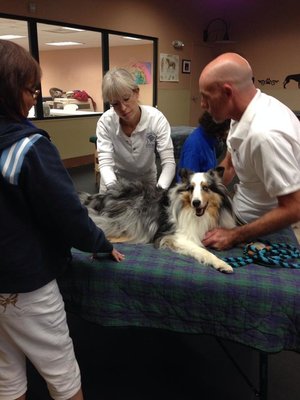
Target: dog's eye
x,y
205,188
190,188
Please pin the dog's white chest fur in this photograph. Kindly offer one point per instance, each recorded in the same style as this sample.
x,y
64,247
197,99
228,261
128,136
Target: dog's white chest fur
x,y
193,227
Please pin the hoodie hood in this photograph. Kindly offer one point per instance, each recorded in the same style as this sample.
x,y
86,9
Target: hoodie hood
x,y
11,131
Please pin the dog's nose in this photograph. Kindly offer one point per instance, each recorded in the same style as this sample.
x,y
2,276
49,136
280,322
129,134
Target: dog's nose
x,y
196,203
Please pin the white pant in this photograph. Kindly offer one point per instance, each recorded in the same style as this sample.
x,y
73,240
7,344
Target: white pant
x,y
34,325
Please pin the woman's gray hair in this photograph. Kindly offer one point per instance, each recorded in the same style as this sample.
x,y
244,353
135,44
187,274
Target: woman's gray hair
x,y
117,84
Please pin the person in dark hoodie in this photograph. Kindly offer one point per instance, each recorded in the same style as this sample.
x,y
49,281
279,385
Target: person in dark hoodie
x,y
41,220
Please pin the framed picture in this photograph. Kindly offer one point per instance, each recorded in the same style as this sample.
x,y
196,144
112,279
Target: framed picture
x,y
169,68
186,66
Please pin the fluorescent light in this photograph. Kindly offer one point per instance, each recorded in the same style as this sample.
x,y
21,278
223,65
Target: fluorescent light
x,y
73,29
130,38
64,44
10,37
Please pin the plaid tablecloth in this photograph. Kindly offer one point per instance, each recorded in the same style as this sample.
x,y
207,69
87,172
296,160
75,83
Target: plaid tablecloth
x,y
257,306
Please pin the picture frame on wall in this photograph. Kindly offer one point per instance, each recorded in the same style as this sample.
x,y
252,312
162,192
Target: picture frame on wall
x,y
186,66
169,68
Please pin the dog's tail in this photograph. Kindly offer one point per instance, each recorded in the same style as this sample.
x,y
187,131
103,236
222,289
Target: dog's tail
x,y
286,81
94,202
84,197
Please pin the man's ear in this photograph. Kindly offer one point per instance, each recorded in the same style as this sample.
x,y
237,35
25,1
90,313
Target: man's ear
x,y
227,89
220,171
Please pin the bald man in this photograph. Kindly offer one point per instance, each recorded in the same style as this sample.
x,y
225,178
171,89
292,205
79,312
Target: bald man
x,y
263,151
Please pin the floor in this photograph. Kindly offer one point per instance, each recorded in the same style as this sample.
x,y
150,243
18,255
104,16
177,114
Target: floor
x,y
132,364
84,178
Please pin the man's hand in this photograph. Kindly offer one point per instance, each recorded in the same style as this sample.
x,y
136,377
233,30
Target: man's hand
x,y
220,238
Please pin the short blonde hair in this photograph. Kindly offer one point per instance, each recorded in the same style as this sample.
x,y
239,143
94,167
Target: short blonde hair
x,y
117,84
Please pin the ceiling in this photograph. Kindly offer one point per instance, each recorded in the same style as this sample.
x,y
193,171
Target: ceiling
x,y
54,33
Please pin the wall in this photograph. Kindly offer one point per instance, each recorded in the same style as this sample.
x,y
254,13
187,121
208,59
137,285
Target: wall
x,y
149,17
126,56
274,57
265,32
71,136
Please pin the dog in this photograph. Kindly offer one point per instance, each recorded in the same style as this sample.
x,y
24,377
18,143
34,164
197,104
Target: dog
x,y
171,64
176,219
295,77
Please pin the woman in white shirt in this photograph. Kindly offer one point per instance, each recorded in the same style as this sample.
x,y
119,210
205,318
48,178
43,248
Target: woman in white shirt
x,y
129,133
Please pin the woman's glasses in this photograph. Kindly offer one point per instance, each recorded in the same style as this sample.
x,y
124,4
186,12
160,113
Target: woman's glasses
x,y
123,101
34,92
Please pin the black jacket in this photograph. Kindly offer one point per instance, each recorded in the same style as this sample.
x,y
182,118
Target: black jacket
x,y
41,217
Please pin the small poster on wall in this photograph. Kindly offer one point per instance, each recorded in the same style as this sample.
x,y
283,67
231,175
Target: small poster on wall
x,y
169,68
142,72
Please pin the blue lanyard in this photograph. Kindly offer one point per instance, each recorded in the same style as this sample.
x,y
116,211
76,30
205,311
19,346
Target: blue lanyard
x,y
266,253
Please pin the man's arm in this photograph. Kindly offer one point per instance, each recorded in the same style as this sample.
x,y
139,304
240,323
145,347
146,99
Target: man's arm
x,y
286,213
229,172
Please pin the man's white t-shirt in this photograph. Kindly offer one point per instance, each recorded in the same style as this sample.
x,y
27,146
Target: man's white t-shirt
x,y
265,151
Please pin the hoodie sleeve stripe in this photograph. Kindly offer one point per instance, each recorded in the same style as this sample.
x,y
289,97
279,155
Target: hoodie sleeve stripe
x,y
12,158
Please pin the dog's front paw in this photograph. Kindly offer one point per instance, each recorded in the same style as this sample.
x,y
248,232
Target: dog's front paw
x,y
222,266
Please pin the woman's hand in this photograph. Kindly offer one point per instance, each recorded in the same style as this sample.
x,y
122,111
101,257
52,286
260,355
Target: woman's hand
x,y
117,256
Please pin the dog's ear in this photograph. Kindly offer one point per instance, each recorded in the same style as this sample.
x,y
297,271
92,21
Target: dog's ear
x,y
184,174
216,174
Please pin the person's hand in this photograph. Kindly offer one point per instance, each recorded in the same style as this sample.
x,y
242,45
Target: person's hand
x,y
117,256
220,238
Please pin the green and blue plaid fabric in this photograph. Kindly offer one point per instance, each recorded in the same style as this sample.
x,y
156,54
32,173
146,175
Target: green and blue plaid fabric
x,y
256,306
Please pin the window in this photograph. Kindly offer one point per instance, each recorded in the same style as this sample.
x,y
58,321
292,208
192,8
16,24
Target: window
x,y
71,62
73,59
15,30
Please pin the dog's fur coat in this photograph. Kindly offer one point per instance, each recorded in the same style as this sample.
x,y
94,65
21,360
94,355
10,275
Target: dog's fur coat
x,y
178,219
